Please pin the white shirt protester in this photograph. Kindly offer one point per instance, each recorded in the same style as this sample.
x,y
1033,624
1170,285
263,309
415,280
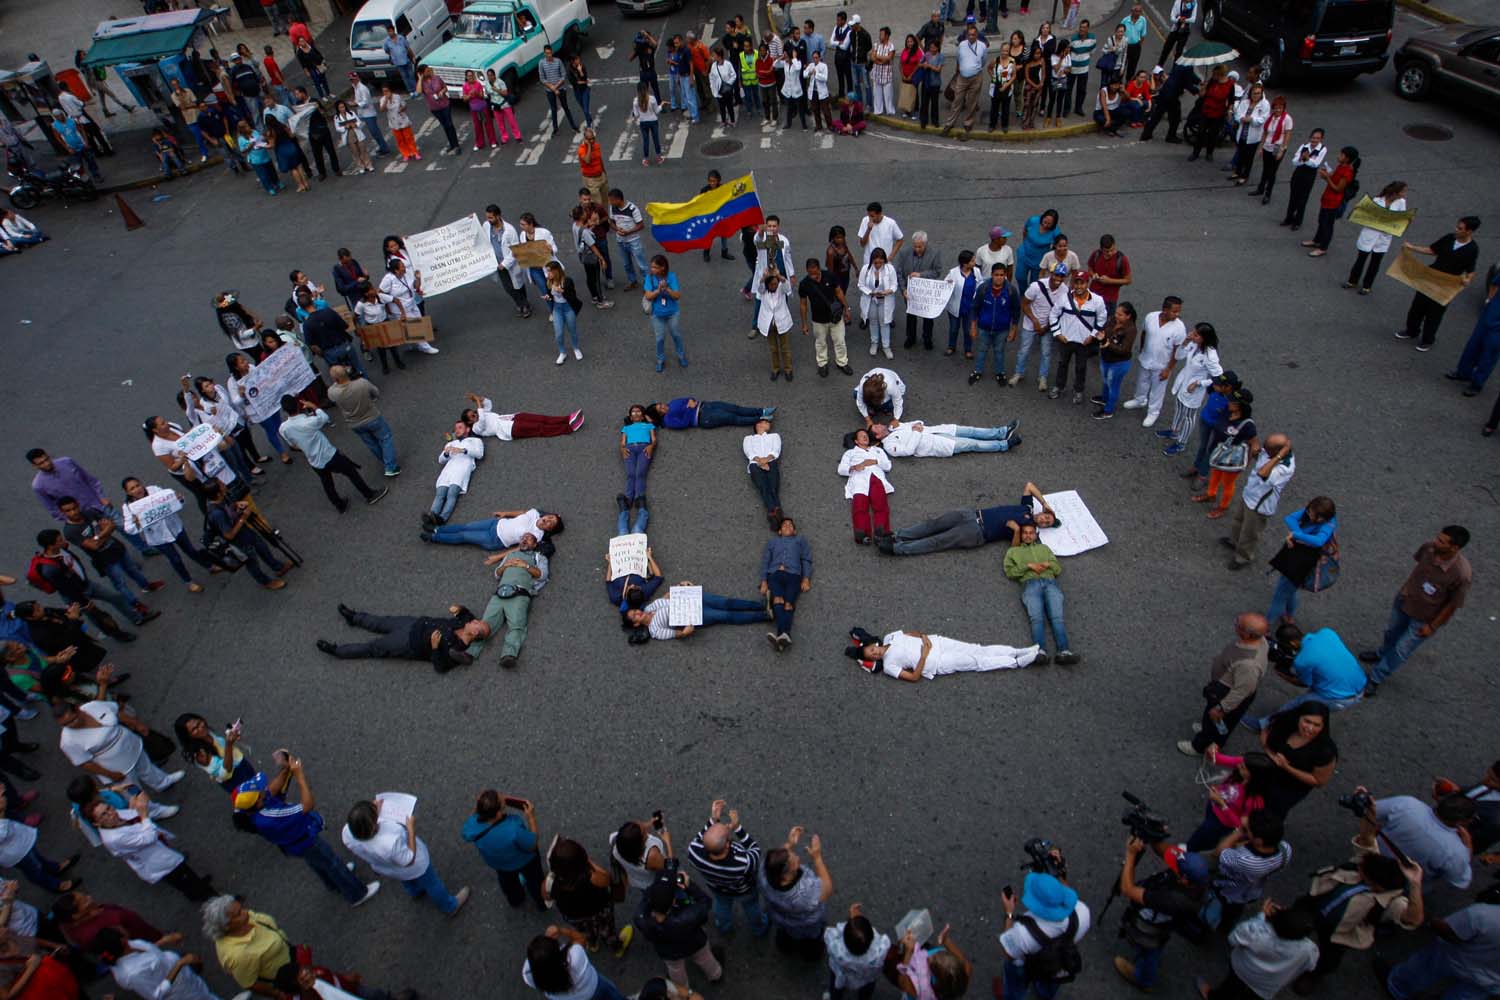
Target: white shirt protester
x,y
950,656
458,459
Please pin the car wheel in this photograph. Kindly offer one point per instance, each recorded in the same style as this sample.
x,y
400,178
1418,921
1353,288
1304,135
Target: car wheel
x,y
512,84
1413,80
24,199
1270,66
1210,21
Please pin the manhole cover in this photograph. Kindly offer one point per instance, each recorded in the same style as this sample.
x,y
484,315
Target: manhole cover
x,y
721,147
1427,132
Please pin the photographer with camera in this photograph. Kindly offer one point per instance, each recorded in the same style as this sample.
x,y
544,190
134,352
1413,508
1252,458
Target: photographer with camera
x,y
1485,794
232,536
1169,900
1318,661
641,850
507,843
1436,838
1041,947
795,897
1350,900
671,915
1233,678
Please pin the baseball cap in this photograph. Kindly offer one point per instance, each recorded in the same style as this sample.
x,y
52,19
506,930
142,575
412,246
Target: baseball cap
x,y
1157,69
1228,378
999,232
1234,74
250,791
1083,275
1190,865
854,19
1061,270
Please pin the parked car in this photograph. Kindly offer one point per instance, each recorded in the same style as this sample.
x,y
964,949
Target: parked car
x,y
1458,58
1305,39
425,23
628,7
508,36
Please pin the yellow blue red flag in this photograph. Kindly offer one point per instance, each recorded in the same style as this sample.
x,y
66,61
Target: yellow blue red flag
x,y
694,225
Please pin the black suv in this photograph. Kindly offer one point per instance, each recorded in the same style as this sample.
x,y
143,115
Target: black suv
x,y
1323,39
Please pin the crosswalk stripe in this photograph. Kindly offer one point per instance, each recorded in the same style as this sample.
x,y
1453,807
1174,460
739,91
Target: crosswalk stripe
x,y
677,143
622,145
394,167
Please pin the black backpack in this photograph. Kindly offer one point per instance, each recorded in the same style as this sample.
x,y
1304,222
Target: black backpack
x,y
1058,960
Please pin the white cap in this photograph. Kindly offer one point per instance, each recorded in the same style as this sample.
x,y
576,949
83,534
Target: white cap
x,y
854,19
1234,74
1157,69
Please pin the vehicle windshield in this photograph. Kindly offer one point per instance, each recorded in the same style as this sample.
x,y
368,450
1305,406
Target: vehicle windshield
x,y
368,34
1355,16
486,27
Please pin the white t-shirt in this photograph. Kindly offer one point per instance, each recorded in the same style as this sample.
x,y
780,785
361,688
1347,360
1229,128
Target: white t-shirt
x,y
109,745
759,446
1373,240
510,529
639,876
903,653
16,841
210,466
458,466
985,259
584,976
883,234
386,852
1158,341
1018,942
1262,495
144,972
140,846
1041,298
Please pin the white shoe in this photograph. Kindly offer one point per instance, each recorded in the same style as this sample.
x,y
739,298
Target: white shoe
x,y
371,888
1150,420
887,352
172,779
873,350
561,358
164,812
426,348
1041,384
577,354
1133,404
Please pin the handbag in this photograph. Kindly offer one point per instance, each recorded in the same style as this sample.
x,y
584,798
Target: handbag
x,y
646,305
1108,62
1326,572
1229,456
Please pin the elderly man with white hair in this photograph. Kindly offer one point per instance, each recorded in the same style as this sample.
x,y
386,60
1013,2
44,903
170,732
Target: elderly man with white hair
x,y
918,260
729,860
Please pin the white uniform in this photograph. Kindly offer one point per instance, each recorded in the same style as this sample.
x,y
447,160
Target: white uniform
x,y
1158,342
951,656
458,466
895,391
492,424
858,481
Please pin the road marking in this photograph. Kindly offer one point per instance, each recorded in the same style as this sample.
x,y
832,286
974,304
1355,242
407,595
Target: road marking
x,y
997,148
708,31
677,141
434,165
477,166
765,142
533,153
826,142
622,145
426,127
394,167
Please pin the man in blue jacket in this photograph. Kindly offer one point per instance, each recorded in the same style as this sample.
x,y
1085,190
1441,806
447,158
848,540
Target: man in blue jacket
x,y
997,312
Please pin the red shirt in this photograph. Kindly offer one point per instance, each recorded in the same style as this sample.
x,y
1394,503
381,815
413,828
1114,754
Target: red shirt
x,y
765,71
1331,198
1216,97
273,71
1114,266
699,52
81,934
299,31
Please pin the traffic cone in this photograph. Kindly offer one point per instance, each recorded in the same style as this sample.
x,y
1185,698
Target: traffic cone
x,y
132,221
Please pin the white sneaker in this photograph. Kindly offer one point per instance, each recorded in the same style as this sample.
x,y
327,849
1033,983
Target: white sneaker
x,y
888,354
561,358
172,779
1133,404
873,349
1041,384
577,354
164,812
426,348
1150,420
371,888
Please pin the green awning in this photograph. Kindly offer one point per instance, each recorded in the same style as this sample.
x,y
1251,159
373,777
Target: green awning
x,y
147,46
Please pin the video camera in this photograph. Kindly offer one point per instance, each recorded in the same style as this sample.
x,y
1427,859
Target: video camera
x,y
1143,823
1046,858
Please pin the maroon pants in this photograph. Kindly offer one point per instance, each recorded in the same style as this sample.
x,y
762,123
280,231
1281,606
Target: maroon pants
x,y
534,425
871,512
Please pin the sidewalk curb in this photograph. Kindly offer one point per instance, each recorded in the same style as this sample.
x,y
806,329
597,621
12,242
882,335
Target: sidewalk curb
x,y
1034,135
1431,12
146,182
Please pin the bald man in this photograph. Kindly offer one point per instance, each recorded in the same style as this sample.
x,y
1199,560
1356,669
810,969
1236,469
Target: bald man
x,y
1265,480
728,858
1233,678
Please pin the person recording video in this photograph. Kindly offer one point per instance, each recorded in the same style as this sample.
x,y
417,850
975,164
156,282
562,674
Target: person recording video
x,y
1434,837
1170,900
1041,946
235,537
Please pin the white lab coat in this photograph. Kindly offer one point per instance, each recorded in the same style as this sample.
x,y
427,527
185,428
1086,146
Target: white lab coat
x,y
507,258
817,80
1259,113
872,280
858,481
459,466
792,83
1197,372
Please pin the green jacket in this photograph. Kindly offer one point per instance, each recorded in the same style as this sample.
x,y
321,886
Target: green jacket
x,y
1019,555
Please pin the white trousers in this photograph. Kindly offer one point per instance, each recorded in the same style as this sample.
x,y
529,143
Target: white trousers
x,y
1150,390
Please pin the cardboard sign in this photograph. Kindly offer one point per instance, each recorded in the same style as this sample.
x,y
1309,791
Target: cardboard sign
x,y
395,333
153,508
535,253
282,373
627,555
451,256
927,297
1408,269
1077,532
199,441
1367,213
685,607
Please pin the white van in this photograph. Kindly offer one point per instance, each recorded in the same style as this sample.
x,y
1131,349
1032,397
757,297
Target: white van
x,y
425,23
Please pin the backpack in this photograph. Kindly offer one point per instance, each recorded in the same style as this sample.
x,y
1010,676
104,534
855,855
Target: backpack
x,y
34,573
1058,961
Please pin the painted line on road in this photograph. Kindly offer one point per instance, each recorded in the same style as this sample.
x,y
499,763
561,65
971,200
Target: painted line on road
x,y
1002,150
677,143
621,149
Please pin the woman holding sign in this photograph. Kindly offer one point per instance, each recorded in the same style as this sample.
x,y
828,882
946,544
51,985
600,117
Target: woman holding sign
x,y
1372,243
163,530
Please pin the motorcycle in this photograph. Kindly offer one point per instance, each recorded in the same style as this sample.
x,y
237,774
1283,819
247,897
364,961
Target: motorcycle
x,y
32,185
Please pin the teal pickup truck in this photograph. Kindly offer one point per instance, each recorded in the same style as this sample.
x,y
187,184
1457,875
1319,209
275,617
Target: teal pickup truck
x,y
507,36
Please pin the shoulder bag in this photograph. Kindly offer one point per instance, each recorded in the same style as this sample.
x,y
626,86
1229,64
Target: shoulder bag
x,y
1229,456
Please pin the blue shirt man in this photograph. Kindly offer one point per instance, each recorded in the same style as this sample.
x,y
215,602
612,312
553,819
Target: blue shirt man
x,y
1322,662
507,842
815,41
260,806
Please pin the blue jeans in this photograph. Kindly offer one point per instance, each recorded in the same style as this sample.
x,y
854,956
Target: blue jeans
x,y
662,325
1334,705
752,97
650,136
607,990
1208,438
1028,338
372,125
787,586
121,571
1147,966
170,553
376,434
538,278
408,76
444,501
634,260
40,870
1017,985
1112,374
862,83
1401,640
271,427
1043,599
713,413
430,884
954,324
1284,600
1480,355
480,533
346,355
564,320
750,903
1428,967
689,101
637,464
624,527
584,98
987,342
732,611
267,175
197,134
124,602
328,867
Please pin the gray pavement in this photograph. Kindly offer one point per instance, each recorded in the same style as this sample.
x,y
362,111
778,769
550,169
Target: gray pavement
x,y
923,794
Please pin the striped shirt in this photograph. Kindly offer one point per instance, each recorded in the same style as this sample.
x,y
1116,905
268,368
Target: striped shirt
x,y
1082,52
659,626
1243,873
734,874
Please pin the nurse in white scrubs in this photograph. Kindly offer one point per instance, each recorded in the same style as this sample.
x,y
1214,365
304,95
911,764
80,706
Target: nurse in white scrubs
x,y
916,656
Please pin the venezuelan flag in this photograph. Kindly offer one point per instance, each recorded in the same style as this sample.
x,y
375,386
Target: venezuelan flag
x,y
694,225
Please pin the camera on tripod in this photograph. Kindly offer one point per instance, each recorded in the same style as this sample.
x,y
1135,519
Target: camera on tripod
x,y
1046,858
1151,827
1360,802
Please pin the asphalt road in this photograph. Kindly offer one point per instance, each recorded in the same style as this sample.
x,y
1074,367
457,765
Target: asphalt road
x,y
923,794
